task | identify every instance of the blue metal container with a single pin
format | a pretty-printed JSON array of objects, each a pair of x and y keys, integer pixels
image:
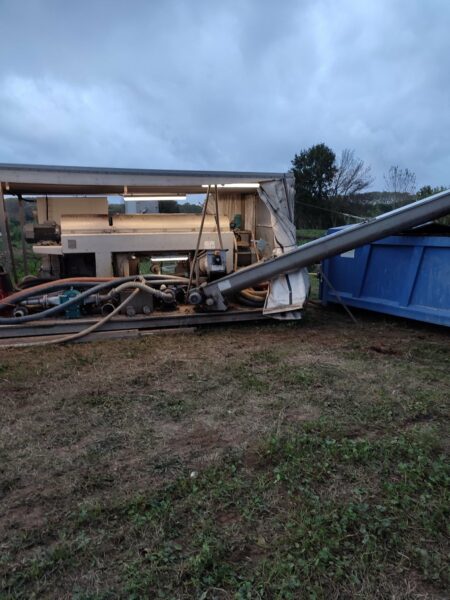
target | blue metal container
[{"x": 405, "y": 275}]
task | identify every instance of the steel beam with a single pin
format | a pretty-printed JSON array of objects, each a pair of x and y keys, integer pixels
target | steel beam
[
  {"x": 155, "y": 321},
  {"x": 352, "y": 237}
]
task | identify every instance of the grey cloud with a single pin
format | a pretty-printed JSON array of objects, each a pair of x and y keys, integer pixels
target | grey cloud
[{"x": 225, "y": 85}]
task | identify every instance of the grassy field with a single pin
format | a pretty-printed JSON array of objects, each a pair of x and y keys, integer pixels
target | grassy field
[{"x": 269, "y": 461}]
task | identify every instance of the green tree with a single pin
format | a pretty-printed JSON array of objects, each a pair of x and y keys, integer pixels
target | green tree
[
  {"x": 352, "y": 176},
  {"x": 400, "y": 185},
  {"x": 190, "y": 207},
  {"x": 427, "y": 190},
  {"x": 314, "y": 171},
  {"x": 168, "y": 206}
]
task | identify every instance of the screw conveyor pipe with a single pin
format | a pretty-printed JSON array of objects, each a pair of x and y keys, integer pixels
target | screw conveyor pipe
[{"x": 398, "y": 220}]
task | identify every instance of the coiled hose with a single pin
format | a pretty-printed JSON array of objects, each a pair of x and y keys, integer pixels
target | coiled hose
[{"x": 252, "y": 297}]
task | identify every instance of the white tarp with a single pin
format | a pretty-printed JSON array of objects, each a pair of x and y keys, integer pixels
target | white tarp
[{"x": 288, "y": 292}]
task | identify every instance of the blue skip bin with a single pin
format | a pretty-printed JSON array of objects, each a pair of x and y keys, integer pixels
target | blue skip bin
[{"x": 405, "y": 275}]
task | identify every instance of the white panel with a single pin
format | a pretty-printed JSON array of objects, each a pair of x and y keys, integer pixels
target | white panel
[
  {"x": 56, "y": 207},
  {"x": 146, "y": 242},
  {"x": 168, "y": 222}
]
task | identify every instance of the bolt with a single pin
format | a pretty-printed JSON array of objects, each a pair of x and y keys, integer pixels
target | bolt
[{"x": 131, "y": 311}]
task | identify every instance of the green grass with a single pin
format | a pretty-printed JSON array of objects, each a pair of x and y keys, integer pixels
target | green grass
[
  {"x": 317, "y": 514},
  {"x": 287, "y": 461},
  {"x": 287, "y": 530},
  {"x": 306, "y": 235}
]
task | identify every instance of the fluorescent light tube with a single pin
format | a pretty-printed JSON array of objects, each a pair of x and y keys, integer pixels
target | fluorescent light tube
[
  {"x": 233, "y": 185},
  {"x": 150, "y": 198},
  {"x": 169, "y": 258}
]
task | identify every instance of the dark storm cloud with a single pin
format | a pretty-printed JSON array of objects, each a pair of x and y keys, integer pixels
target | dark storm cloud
[{"x": 225, "y": 84}]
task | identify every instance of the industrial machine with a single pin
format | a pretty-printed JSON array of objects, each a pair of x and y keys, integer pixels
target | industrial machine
[
  {"x": 77, "y": 238},
  {"x": 102, "y": 266},
  {"x": 95, "y": 245},
  {"x": 237, "y": 260}
]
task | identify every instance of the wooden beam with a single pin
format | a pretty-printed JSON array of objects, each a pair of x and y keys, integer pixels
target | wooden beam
[
  {"x": 6, "y": 239},
  {"x": 22, "y": 236},
  {"x": 4, "y": 255}
]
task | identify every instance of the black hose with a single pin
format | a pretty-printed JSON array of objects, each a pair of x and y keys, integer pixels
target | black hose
[
  {"x": 61, "y": 307},
  {"x": 29, "y": 292},
  {"x": 31, "y": 280},
  {"x": 247, "y": 302},
  {"x": 52, "y": 288},
  {"x": 56, "y": 309}
]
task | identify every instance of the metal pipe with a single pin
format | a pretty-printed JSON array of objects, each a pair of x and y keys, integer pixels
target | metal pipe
[
  {"x": 194, "y": 261},
  {"x": 75, "y": 336},
  {"x": 219, "y": 233},
  {"x": 352, "y": 237},
  {"x": 84, "y": 282},
  {"x": 167, "y": 295}
]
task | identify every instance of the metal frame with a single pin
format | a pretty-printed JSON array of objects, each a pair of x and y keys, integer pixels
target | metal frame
[{"x": 155, "y": 321}]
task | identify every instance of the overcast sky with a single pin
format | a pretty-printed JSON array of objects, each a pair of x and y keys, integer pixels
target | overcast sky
[{"x": 226, "y": 84}]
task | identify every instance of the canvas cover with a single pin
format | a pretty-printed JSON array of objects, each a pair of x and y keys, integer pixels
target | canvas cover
[{"x": 287, "y": 292}]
